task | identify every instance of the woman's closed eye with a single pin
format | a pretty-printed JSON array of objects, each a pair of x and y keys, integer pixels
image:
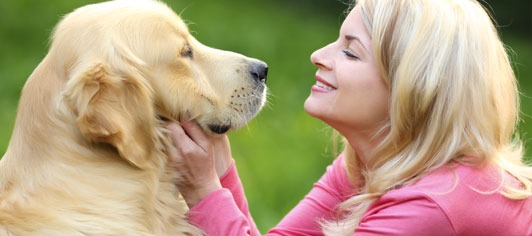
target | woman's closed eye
[{"x": 350, "y": 55}]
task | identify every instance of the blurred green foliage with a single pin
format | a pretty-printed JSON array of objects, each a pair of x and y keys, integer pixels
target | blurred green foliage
[{"x": 283, "y": 151}]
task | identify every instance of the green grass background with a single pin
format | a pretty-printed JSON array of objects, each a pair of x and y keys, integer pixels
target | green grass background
[{"x": 281, "y": 152}]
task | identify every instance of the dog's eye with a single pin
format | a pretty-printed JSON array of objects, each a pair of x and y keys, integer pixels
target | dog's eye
[{"x": 187, "y": 51}]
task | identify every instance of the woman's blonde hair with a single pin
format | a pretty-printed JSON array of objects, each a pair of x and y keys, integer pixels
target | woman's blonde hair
[{"x": 453, "y": 94}]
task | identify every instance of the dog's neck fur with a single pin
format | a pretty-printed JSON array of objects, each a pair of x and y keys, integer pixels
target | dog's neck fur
[{"x": 89, "y": 182}]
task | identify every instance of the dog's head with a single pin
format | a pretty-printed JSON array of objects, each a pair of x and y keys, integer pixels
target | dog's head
[{"x": 130, "y": 63}]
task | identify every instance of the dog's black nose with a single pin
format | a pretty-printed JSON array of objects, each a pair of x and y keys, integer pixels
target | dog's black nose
[{"x": 259, "y": 71}]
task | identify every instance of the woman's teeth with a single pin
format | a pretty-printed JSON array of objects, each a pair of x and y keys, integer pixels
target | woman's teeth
[{"x": 322, "y": 85}]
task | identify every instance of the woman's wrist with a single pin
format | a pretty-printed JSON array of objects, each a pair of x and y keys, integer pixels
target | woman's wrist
[
  {"x": 194, "y": 195},
  {"x": 222, "y": 166}
]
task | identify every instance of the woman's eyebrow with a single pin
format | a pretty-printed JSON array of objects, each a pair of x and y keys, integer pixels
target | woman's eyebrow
[{"x": 350, "y": 38}]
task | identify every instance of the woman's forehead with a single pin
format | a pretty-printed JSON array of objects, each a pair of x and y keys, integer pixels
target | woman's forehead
[{"x": 353, "y": 25}]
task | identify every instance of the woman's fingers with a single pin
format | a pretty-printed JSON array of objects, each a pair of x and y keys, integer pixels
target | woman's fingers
[
  {"x": 194, "y": 156},
  {"x": 189, "y": 141},
  {"x": 194, "y": 131},
  {"x": 180, "y": 139}
]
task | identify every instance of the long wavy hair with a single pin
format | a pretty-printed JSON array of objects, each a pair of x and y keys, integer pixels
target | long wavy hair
[{"x": 453, "y": 95}]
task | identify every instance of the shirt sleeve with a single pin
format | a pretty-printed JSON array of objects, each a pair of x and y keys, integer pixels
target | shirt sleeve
[
  {"x": 320, "y": 204},
  {"x": 225, "y": 212},
  {"x": 407, "y": 213}
]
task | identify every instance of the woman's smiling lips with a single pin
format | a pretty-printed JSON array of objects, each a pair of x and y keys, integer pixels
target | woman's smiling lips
[{"x": 322, "y": 86}]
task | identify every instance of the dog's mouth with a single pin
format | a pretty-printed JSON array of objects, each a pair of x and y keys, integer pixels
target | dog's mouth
[
  {"x": 219, "y": 129},
  {"x": 215, "y": 128}
]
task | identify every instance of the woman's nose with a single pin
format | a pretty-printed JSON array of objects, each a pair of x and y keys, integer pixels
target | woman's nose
[{"x": 319, "y": 58}]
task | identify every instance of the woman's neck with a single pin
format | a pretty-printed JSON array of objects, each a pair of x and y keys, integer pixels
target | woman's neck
[{"x": 364, "y": 142}]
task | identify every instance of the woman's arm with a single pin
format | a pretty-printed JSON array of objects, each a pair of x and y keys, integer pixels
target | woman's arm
[
  {"x": 192, "y": 154},
  {"x": 225, "y": 212},
  {"x": 200, "y": 160},
  {"x": 319, "y": 204},
  {"x": 219, "y": 206}
]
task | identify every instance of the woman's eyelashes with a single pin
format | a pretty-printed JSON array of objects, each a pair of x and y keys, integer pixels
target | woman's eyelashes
[{"x": 350, "y": 55}]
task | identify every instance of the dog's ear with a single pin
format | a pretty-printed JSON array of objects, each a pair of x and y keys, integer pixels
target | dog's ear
[{"x": 115, "y": 110}]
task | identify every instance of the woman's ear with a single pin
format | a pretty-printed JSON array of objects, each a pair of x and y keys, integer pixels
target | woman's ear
[{"x": 114, "y": 110}]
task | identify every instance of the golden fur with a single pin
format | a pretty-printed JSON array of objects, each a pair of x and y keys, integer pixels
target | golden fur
[{"x": 87, "y": 154}]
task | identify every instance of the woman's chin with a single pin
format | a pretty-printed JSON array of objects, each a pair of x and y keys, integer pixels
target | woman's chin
[{"x": 314, "y": 108}]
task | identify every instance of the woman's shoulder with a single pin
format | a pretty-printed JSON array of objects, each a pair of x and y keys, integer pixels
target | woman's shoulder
[{"x": 470, "y": 199}]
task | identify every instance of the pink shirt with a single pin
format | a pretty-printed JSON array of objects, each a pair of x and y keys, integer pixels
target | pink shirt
[{"x": 443, "y": 202}]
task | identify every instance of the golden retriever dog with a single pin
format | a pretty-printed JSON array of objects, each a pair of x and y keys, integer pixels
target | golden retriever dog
[{"x": 87, "y": 154}]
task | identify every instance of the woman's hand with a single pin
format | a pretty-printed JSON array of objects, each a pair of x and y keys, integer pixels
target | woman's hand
[{"x": 200, "y": 159}]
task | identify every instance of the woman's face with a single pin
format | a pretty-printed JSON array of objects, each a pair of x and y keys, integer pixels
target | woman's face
[{"x": 349, "y": 93}]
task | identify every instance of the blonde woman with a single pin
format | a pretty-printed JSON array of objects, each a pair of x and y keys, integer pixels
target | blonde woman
[{"x": 426, "y": 100}]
